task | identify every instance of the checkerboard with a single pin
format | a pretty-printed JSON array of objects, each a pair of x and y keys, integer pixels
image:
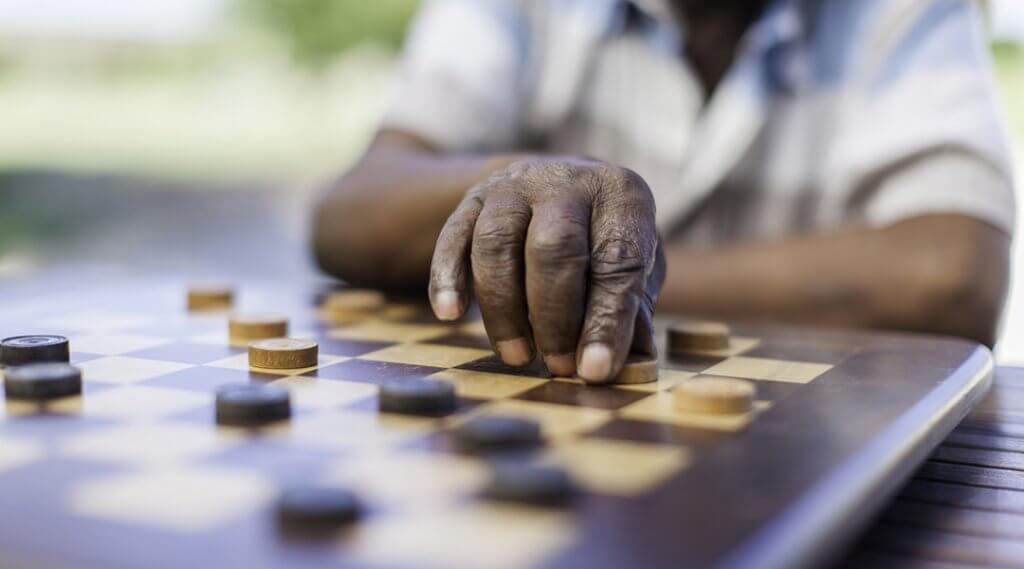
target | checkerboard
[{"x": 135, "y": 472}]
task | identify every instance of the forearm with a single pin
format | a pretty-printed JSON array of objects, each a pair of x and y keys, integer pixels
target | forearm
[
  {"x": 938, "y": 274},
  {"x": 378, "y": 224}
]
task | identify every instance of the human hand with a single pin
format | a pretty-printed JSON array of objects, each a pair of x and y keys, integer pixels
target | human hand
[{"x": 563, "y": 255}]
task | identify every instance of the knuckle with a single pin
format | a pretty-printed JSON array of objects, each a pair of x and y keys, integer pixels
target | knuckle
[
  {"x": 496, "y": 242},
  {"x": 565, "y": 242}
]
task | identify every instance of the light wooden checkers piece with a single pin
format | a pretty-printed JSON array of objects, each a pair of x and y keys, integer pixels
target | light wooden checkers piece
[
  {"x": 715, "y": 395},
  {"x": 244, "y": 328},
  {"x": 210, "y": 297},
  {"x": 638, "y": 369},
  {"x": 283, "y": 353},
  {"x": 697, "y": 336},
  {"x": 352, "y": 305}
]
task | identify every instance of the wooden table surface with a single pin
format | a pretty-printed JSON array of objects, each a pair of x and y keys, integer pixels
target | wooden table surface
[{"x": 965, "y": 506}]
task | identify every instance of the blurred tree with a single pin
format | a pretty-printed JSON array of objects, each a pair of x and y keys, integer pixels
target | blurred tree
[{"x": 316, "y": 31}]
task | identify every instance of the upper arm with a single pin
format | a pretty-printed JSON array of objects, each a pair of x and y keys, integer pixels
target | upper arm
[
  {"x": 462, "y": 75},
  {"x": 920, "y": 131}
]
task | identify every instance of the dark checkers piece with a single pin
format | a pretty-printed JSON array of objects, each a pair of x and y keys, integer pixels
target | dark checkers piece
[
  {"x": 42, "y": 381},
  {"x": 498, "y": 433},
  {"x": 22, "y": 350},
  {"x": 697, "y": 336},
  {"x": 530, "y": 484},
  {"x": 409, "y": 396},
  {"x": 317, "y": 508},
  {"x": 252, "y": 405}
]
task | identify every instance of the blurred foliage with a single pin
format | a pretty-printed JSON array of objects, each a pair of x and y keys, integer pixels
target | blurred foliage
[{"x": 316, "y": 31}]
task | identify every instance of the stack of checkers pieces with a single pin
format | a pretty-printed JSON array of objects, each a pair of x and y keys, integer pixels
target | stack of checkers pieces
[{"x": 36, "y": 368}]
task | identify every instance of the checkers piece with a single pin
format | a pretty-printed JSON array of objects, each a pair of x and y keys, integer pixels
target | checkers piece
[
  {"x": 283, "y": 353},
  {"x": 352, "y": 305},
  {"x": 715, "y": 395},
  {"x": 530, "y": 484},
  {"x": 23, "y": 350},
  {"x": 638, "y": 369},
  {"x": 210, "y": 297},
  {"x": 244, "y": 328},
  {"x": 498, "y": 433},
  {"x": 317, "y": 508},
  {"x": 252, "y": 405},
  {"x": 43, "y": 381},
  {"x": 409, "y": 396},
  {"x": 697, "y": 336}
]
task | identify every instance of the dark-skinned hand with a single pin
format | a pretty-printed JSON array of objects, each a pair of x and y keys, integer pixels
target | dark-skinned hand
[{"x": 564, "y": 259}]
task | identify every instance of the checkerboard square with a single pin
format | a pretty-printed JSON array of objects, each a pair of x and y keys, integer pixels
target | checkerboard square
[
  {"x": 325, "y": 394},
  {"x": 148, "y": 444},
  {"x": 770, "y": 369},
  {"x": 465, "y": 536},
  {"x": 368, "y": 371},
  {"x": 482, "y": 385},
  {"x": 187, "y": 500},
  {"x": 566, "y": 393},
  {"x": 115, "y": 344},
  {"x": 384, "y": 331},
  {"x": 123, "y": 370},
  {"x": 185, "y": 352},
  {"x": 427, "y": 355},
  {"x": 136, "y": 402},
  {"x": 598, "y": 464}
]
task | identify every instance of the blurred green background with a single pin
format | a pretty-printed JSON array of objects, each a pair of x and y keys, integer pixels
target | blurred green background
[{"x": 248, "y": 90}]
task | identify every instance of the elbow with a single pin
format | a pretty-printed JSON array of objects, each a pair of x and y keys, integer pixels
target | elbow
[{"x": 967, "y": 290}]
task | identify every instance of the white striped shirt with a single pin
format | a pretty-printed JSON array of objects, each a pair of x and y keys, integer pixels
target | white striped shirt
[{"x": 834, "y": 112}]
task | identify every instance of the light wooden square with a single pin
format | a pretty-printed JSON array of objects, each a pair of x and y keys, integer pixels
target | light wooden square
[
  {"x": 769, "y": 369},
  {"x": 241, "y": 362},
  {"x": 409, "y": 479},
  {"x": 148, "y": 444},
  {"x": 385, "y": 331},
  {"x": 618, "y": 467},
  {"x": 555, "y": 420},
  {"x": 114, "y": 344},
  {"x": 98, "y": 321},
  {"x": 324, "y": 394},
  {"x": 136, "y": 402},
  {"x": 434, "y": 355},
  {"x": 660, "y": 408},
  {"x": 474, "y": 328},
  {"x": 15, "y": 453},
  {"x": 467, "y": 536},
  {"x": 355, "y": 430},
  {"x": 484, "y": 385},
  {"x": 184, "y": 500},
  {"x": 124, "y": 370}
]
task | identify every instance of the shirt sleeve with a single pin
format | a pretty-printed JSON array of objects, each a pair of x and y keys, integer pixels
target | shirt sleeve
[
  {"x": 922, "y": 132},
  {"x": 461, "y": 79}
]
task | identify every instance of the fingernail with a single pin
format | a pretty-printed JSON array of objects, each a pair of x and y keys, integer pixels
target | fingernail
[
  {"x": 515, "y": 352},
  {"x": 596, "y": 363},
  {"x": 446, "y": 305},
  {"x": 562, "y": 366}
]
